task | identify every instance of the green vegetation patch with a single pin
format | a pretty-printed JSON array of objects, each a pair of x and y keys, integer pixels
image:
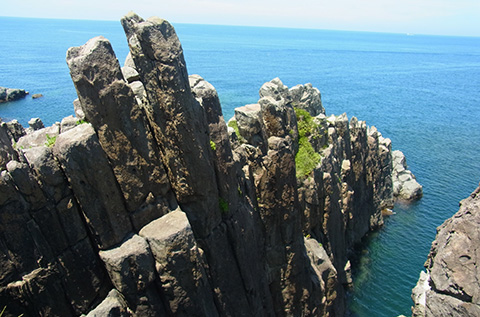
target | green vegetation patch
[
  {"x": 50, "y": 140},
  {"x": 213, "y": 146},
  {"x": 79, "y": 122},
  {"x": 223, "y": 204},
  {"x": 306, "y": 159},
  {"x": 233, "y": 124}
]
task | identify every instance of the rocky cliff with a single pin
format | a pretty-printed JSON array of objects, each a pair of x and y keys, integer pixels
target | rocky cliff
[
  {"x": 148, "y": 204},
  {"x": 450, "y": 286}
]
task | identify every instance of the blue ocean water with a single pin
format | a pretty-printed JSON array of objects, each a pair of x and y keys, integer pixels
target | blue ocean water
[{"x": 423, "y": 92}]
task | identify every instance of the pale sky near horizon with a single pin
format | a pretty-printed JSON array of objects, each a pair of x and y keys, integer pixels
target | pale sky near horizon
[{"x": 440, "y": 17}]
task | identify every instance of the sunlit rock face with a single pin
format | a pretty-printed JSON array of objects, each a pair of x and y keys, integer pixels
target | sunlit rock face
[
  {"x": 450, "y": 286},
  {"x": 147, "y": 204}
]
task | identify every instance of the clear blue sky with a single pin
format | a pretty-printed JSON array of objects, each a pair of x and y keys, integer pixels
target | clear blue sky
[{"x": 443, "y": 17}]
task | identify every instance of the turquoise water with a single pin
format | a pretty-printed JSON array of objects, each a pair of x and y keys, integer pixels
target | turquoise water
[{"x": 423, "y": 92}]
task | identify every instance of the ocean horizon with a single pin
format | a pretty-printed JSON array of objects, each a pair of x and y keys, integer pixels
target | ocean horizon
[{"x": 421, "y": 91}]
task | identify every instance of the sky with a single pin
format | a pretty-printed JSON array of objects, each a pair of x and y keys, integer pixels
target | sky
[{"x": 439, "y": 17}]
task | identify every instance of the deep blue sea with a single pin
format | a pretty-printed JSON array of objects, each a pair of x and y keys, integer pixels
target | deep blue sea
[{"x": 423, "y": 92}]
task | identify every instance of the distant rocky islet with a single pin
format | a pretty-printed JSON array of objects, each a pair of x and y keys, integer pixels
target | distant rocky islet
[
  {"x": 246, "y": 231},
  {"x": 9, "y": 94},
  {"x": 13, "y": 94}
]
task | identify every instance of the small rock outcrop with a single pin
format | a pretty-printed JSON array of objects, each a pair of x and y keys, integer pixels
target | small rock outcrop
[
  {"x": 9, "y": 94},
  {"x": 450, "y": 286},
  {"x": 147, "y": 204},
  {"x": 405, "y": 185}
]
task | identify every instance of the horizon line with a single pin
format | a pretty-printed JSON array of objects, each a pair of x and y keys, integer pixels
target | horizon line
[{"x": 252, "y": 26}]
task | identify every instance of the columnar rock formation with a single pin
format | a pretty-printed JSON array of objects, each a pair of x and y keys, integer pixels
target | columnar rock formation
[
  {"x": 450, "y": 286},
  {"x": 405, "y": 185},
  {"x": 146, "y": 204}
]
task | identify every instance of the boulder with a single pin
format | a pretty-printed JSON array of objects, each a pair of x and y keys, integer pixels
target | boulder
[
  {"x": 68, "y": 123},
  {"x": 36, "y": 124},
  {"x": 14, "y": 129},
  {"x": 130, "y": 266},
  {"x": 308, "y": 98},
  {"x": 130, "y": 74},
  {"x": 405, "y": 186},
  {"x": 274, "y": 89},
  {"x": 180, "y": 265},
  {"x": 250, "y": 125},
  {"x": 113, "y": 305},
  {"x": 36, "y": 96}
]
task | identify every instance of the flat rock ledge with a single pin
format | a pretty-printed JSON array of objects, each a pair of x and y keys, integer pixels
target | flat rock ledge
[{"x": 451, "y": 284}]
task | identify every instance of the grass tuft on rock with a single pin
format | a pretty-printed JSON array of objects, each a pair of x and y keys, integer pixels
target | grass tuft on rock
[
  {"x": 306, "y": 159},
  {"x": 50, "y": 140},
  {"x": 213, "y": 146},
  {"x": 233, "y": 124}
]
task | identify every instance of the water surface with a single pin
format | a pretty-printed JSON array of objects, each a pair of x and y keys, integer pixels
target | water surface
[{"x": 423, "y": 92}]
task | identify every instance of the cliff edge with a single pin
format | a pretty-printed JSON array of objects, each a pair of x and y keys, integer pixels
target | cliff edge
[
  {"x": 148, "y": 204},
  {"x": 450, "y": 286}
]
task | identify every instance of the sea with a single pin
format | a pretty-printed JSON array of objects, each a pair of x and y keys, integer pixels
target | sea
[{"x": 422, "y": 92}]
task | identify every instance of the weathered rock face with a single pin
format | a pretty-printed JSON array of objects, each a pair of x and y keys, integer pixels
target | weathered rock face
[
  {"x": 451, "y": 285},
  {"x": 177, "y": 119},
  {"x": 110, "y": 106},
  {"x": 143, "y": 206}
]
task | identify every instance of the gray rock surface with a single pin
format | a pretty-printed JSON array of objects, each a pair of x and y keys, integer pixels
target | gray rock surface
[
  {"x": 110, "y": 106},
  {"x": 130, "y": 74},
  {"x": 97, "y": 193},
  {"x": 176, "y": 118},
  {"x": 9, "y": 94},
  {"x": 14, "y": 129},
  {"x": 113, "y": 305},
  {"x": 36, "y": 124},
  {"x": 180, "y": 265},
  {"x": 155, "y": 208},
  {"x": 130, "y": 266},
  {"x": 405, "y": 185},
  {"x": 38, "y": 137},
  {"x": 452, "y": 275}
]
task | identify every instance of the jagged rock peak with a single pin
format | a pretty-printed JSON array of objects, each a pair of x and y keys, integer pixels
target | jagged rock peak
[
  {"x": 450, "y": 286},
  {"x": 142, "y": 206},
  {"x": 301, "y": 96}
]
